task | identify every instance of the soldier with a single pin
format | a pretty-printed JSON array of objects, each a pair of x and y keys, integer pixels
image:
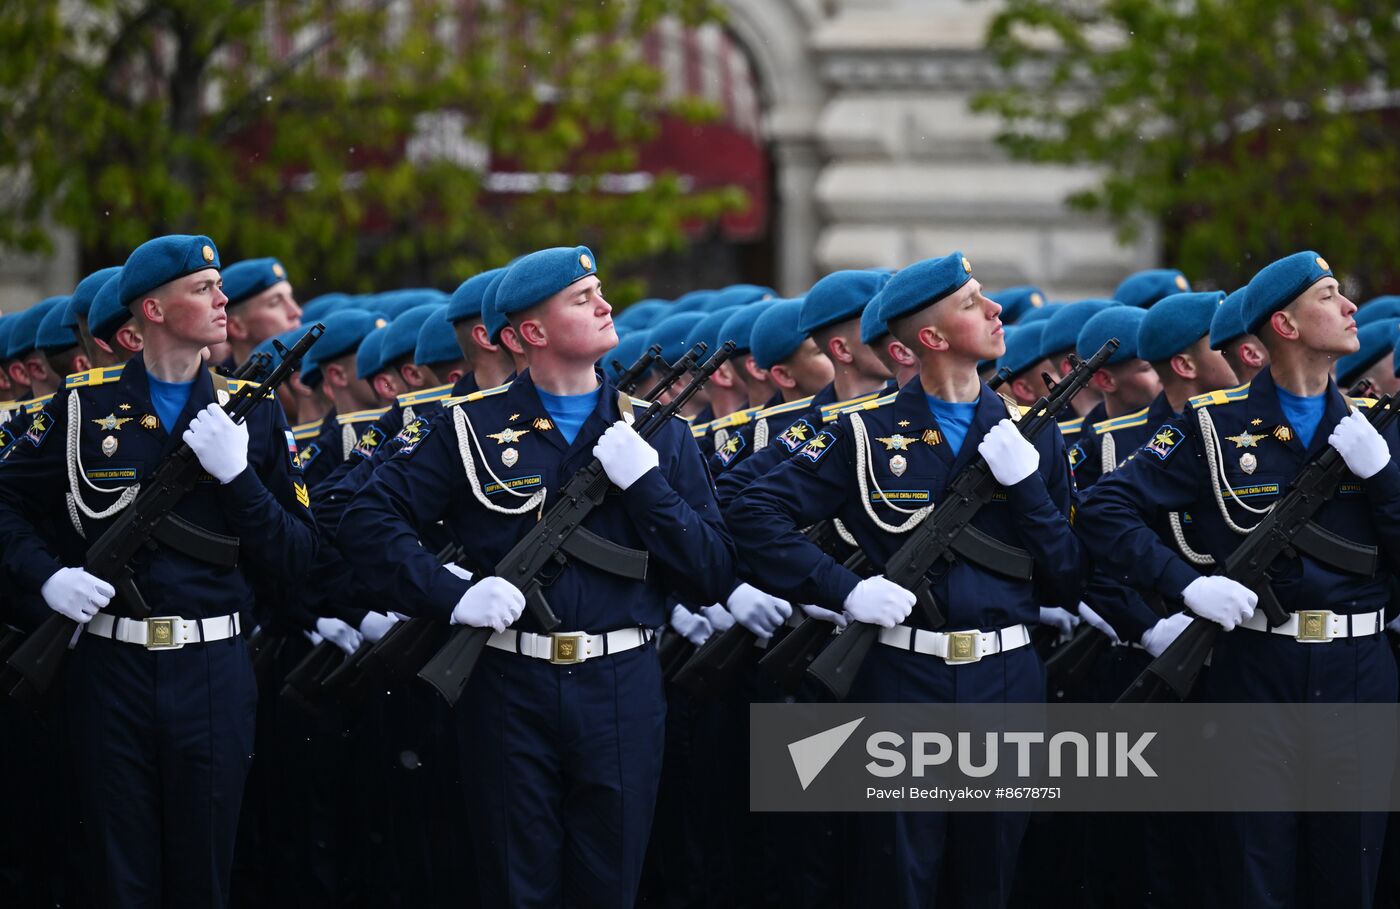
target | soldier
[
  {"x": 1240, "y": 349},
  {"x": 330, "y": 369},
  {"x": 589, "y": 715},
  {"x": 1127, "y": 382},
  {"x": 483, "y": 356},
  {"x": 1058, "y": 341},
  {"x": 261, "y": 304},
  {"x": 1016, "y": 302},
  {"x": 76, "y": 316},
  {"x": 925, "y": 433},
  {"x": 1027, "y": 364},
  {"x": 1224, "y": 461},
  {"x": 161, "y": 715},
  {"x": 30, "y": 368}
]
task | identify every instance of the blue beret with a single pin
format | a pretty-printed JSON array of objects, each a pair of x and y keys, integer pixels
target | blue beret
[
  {"x": 1022, "y": 348},
  {"x": 839, "y": 296},
  {"x": 641, "y": 314},
  {"x": 466, "y": 299},
  {"x": 1379, "y": 308},
  {"x": 1121, "y": 322},
  {"x": 26, "y": 328},
  {"x": 164, "y": 259},
  {"x": 708, "y": 330},
  {"x": 739, "y": 327},
  {"x": 85, "y": 292},
  {"x": 671, "y": 333},
  {"x": 743, "y": 294},
  {"x": 437, "y": 342},
  {"x": 7, "y": 324},
  {"x": 245, "y": 280},
  {"x": 922, "y": 284},
  {"x": 1062, "y": 328},
  {"x": 317, "y": 308},
  {"x": 1377, "y": 341},
  {"x": 1015, "y": 302},
  {"x": 775, "y": 334},
  {"x": 52, "y": 336},
  {"x": 1279, "y": 283},
  {"x": 872, "y": 327},
  {"x": 395, "y": 303},
  {"x": 1145, "y": 288},
  {"x": 402, "y": 337},
  {"x": 1039, "y": 315},
  {"x": 369, "y": 359},
  {"x": 107, "y": 313},
  {"x": 345, "y": 330},
  {"x": 1177, "y": 322},
  {"x": 491, "y": 315},
  {"x": 1228, "y": 322},
  {"x": 695, "y": 301},
  {"x": 540, "y": 275}
]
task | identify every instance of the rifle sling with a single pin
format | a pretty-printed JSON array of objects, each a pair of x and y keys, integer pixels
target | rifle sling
[{"x": 194, "y": 541}]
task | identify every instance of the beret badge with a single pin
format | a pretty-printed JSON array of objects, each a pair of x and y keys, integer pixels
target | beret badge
[
  {"x": 1181, "y": 282},
  {"x": 208, "y": 253},
  {"x": 585, "y": 261},
  {"x": 967, "y": 266},
  {"x": 278, "y": 271},
  {"x": 1322, "y": 264}
]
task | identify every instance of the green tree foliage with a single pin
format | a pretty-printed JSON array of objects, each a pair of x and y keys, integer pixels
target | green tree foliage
[
  {"x": 1246, "y": 128},
  {"x": 347, "y": 137}
]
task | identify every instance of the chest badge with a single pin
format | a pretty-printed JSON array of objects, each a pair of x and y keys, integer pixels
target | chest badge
[
  {"x": 896, "y": 442},
  {"x": 123, "y": 407},
  {"x": 1283, "y": 433},
  {"x": 507, "y": 436},
  {"x": 932, "y": 437},
  {"x": 1245, "y": 440},
  {"x": 109, "y": 446},
  {"x": 1248, "y": 462},
  {"x": 149, "y": 421},
  {"x": 898, "y": 464},
  {"x": 509, "y": 457},
  {"x": 112, "y": 422},
  {"x": 543, "y": 424}
]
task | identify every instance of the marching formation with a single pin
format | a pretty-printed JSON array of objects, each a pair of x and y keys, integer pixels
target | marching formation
[{"x": 416, "y": 599}]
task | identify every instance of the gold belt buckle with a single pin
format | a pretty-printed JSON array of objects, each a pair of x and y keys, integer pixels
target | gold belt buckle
[
  {"x": 160, "y": 633},
  {"x": 566, "y": 649},
  {"x": 1313, "y": 626},
  {"x": 962, "y": 647}
]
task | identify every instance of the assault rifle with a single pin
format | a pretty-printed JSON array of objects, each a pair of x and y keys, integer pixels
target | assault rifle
[
  {"x": 947, "y": 534},
  {"x": 536, "y": 561},
  {"x": 632, "y": 376},
  {"x": 149, "y": 517},
  {"x": 1287, "y": 530}
]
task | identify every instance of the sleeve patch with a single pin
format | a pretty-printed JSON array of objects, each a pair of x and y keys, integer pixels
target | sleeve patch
[
  {"x": 368, "y": 441},
  {"x": 412, "y": 435},
  {"x": 39, "y": 428},
  {"x": 291, "y": 448},
  {"x": 727, "y": 452},
  {"x": 816, "y": 449},
  {"x": 796, "y": 435},
  {"x": 1076, "y": 454},
  {"x": 1164, "y": 441},
  {"x": 302, "y": 495},
  {"x": 307, "y": 455}
]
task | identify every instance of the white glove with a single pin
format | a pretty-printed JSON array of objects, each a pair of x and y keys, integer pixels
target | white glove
[
  {"x": 76, "y": 594},
  {"x": 220, "y": 444},
  {"x": 375, "y": 624},
  {"x": 1060, "y": 619},
  {"x": 1160, "y": 636},
  {"x": 491, "y": 602},
  {"x": 1008, "y": 454},
  {"x": 757, "y": 611},
  {"x": 1220, "y": 599},
  {"x": 718, "y": 617},
  {"x": 313, "y": 637},
  {"x": 825, "y": 615},
  {"x": 458, "y": 570},
  {"x": 689, "y": 625},
  {"x": 339, "y": 633},
  {"x": 1360, "y": 445},
  {"x": 625, "y": 455},
  {"x": 1096, "y": 622},
  {"x": 878, "y": 601}
]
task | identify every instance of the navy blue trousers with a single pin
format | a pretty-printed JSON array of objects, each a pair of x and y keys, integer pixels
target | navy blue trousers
[
  {"x": 928, "y": 858},
  {"x": 162, "y": 743},
  {"x": 1314, "y": 859},
  {"x": 561, "y": 766}
]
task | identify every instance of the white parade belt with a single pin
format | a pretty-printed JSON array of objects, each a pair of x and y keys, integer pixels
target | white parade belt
[
  {"x": 163, "y": 632},
  {"x": 956, "y": 647},
  {"x": 566, "y": 648},
  {"x": 1319, "y": 626}
]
